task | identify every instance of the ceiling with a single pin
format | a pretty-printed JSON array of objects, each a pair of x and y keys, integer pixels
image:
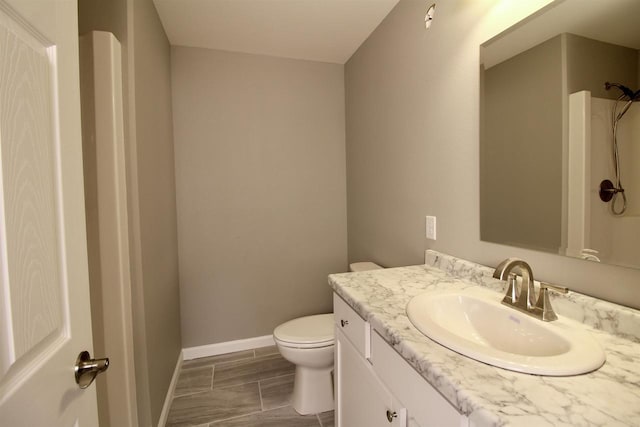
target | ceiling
[
  {"x": 316, "y": 30},
  {"x": 612, "y": 22}
]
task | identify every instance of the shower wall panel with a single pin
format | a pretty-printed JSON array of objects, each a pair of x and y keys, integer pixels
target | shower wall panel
[{"x": 614, "y": 237}]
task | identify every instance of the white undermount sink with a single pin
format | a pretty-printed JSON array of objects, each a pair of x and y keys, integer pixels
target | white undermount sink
[{"x": 475, "y": 324}]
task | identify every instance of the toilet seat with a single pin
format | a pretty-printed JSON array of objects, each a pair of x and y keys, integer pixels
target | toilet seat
[{"x": 306, "y": 332}]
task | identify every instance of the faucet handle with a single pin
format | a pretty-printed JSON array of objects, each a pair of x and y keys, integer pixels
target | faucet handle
[
  {"x": 555, "y": 288},
  {"x": 543, "y": 305}
]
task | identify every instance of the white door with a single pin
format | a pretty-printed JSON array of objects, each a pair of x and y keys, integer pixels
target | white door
[{"x": 44, "y": 290}]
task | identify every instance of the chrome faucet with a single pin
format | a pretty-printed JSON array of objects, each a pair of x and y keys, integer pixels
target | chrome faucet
[{"x": 525, "y": 299}]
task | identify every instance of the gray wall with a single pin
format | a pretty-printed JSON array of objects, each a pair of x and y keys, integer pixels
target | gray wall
[
  {"x": 412, "y": 108},
  {"x": 590, "y": 63},
  {"x": 156, "y": 196},
  {"x": 99, "y": 15},
  {"x": 260, "y": 172},
  {"x": 151, "y": 192},
  {"x": 523, "y": 130}
]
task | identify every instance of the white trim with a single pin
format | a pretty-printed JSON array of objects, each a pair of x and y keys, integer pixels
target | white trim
[
  {"x": 101, "y": 90},
  {"x": 170, "y": 392},
  {"x": 227, "y": 347}
]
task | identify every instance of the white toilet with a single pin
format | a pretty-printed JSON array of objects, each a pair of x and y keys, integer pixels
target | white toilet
[{"x": 308, "y": 342}]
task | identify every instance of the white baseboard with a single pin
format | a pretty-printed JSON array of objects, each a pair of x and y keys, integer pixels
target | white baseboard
[
  {"x": 170, "y": 392},
  {"x": 226, "y": 347}
]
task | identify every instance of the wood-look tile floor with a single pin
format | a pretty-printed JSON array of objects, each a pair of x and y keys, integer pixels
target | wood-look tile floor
[{"x": 241, "y": 389}]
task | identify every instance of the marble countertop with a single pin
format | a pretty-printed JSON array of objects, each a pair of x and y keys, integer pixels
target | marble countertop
[{"x": 492, "y": 396}]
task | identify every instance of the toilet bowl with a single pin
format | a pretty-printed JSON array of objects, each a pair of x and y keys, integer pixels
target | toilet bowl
[{"x": 308, "y": 342}]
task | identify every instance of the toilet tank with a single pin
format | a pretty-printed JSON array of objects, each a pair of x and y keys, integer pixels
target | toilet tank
[{"x": 364, "y": 266}]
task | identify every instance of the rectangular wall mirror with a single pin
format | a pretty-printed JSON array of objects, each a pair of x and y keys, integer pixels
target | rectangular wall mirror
[{"x": 546, "y": 132}]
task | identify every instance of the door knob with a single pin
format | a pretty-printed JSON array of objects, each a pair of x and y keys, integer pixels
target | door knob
[
  {"x": 87, "y": 369},
  {"x": 391, "y": 415}
]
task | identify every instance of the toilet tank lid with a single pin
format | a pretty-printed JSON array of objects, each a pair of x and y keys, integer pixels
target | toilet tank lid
[
  {"x": 364, "y": 266},
  {"x": 307, "y": 330}
]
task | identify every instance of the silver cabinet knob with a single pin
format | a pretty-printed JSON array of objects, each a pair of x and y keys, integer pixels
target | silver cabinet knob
[
  {"x": 391, "y": 415},
  {"x": 344, "y": 323},
  {"x": 87, "y": 369}
]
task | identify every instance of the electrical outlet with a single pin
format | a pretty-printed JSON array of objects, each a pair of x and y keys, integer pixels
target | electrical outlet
[{"x": 431, "y": 227}]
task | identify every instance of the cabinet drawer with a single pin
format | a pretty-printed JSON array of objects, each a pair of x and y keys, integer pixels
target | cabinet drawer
[
  {"x": 352, "y": 326},
  {"x": 425, "y": 406}
]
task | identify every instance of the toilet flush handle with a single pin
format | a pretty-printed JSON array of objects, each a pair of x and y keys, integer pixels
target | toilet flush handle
[{"x": 344, "y": 322}]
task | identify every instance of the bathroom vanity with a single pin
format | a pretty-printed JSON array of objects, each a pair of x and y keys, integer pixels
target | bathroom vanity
[
  {"x": 389, "y": 373},
  {"x": 376, "y": 386}
]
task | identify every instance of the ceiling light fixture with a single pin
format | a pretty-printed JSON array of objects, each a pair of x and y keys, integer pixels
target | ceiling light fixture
[{"x": 429, "y": 16}]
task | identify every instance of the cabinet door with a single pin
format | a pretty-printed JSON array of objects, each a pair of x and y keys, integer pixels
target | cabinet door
[
  {"x": 425, "y": 406},
  {"x": 361, "y": 399}
]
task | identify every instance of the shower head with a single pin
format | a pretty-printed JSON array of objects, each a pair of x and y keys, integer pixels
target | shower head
[{"x": 625, "y": 90}]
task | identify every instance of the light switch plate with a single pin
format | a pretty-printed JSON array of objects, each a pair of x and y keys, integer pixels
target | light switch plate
[{"x": 431, "y": 227}]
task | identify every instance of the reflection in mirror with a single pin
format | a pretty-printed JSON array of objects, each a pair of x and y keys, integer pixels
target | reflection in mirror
[{"x": 547, "y": 132}]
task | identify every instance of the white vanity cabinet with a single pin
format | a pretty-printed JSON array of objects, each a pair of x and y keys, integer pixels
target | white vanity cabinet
[
  {"x": 375, "y": 386},
  {"x": 361, "y": 398}
]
